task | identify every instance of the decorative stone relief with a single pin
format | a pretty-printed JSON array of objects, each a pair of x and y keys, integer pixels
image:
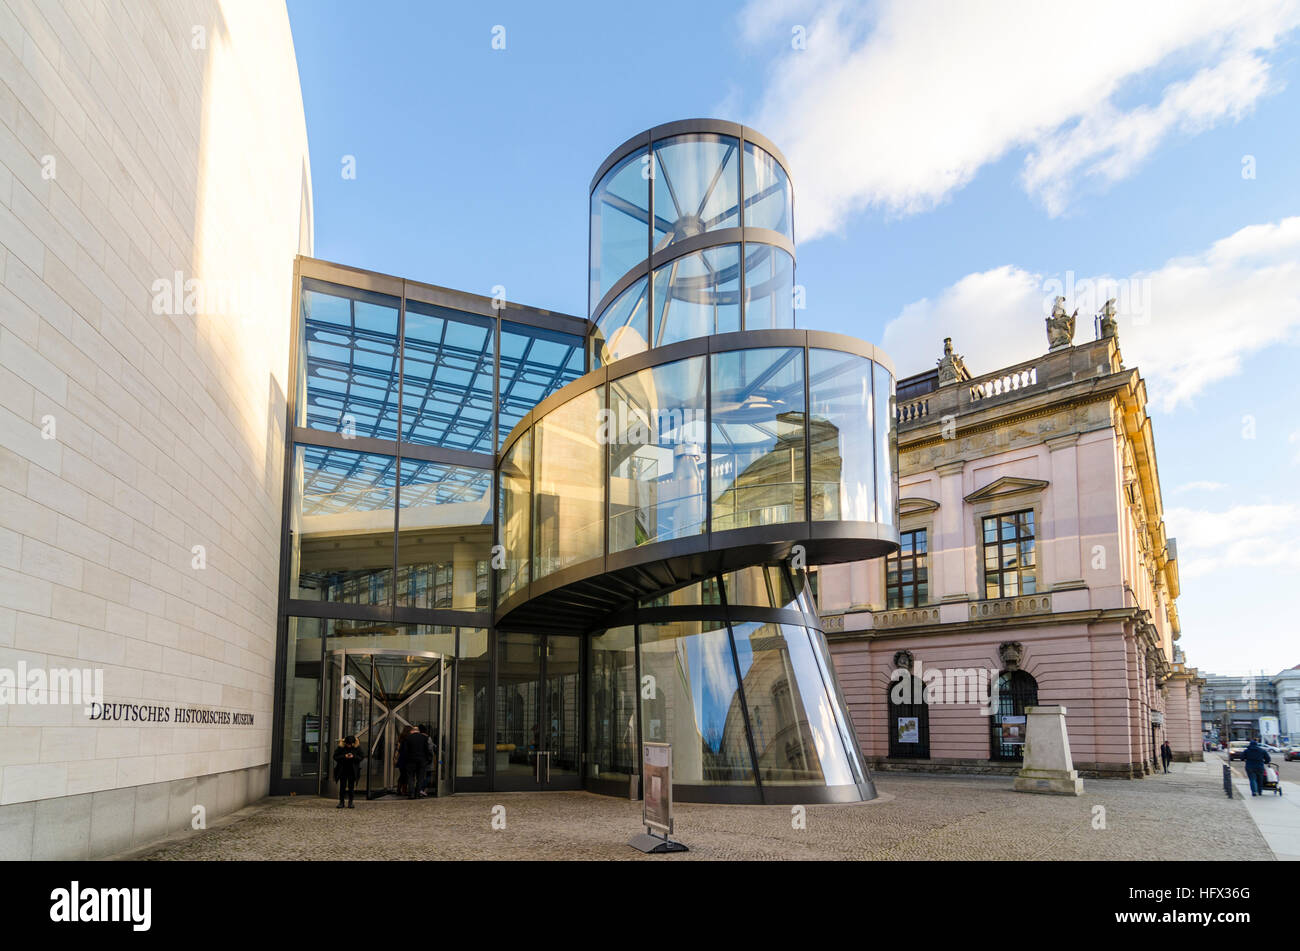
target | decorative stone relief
[{"x": 1010, "y": 652}]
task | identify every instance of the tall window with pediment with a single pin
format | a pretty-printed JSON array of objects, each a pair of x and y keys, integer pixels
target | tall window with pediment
[{"x": 1010, "y": 555}]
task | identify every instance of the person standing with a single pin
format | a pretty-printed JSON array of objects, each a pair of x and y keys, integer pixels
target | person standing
[
  {"x": 1166, "y": 755},
  {"x": 1255, "y": 757},
  {"x": 431, "y": 773},
  {"x": 399, "y": 760},
  {"x": 347, "y": 768},
  {"x": 415, "y": 753}
]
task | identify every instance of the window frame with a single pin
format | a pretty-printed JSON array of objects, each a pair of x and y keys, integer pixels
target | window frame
[
  {"x": 1017, "y": 539},
  {"x": 897, "y": 559}
]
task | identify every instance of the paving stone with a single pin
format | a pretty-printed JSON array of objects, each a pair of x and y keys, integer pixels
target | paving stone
[{"x": 1180, "y": 816}]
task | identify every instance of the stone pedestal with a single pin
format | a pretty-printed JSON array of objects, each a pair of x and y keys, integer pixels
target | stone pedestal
[{"x": 1048, "y": 767}]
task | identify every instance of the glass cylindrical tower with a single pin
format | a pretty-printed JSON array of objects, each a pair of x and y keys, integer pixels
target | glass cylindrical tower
[
  {"x": 668, "y": 504},
  {"x": 692, "y": 234}
]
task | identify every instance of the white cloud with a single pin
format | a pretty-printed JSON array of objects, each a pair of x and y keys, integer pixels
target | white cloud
[
  {"x": 898, "y": 103},
  {"x": 1107, "y": 145},
  {"x": 1243, "y": 536},
  {"x": 1201, "y": 486},
  {"x": 1186, "y": 325}
]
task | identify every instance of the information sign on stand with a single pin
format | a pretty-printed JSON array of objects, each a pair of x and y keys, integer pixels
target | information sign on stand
[{"x": 657, "y": 801}]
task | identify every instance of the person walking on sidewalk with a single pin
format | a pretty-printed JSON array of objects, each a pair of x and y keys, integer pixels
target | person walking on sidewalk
[
  {"x": 347, "y": 768},
  {"x": 1255, "y": 757},
  {"x": 1166, "y": 754}
]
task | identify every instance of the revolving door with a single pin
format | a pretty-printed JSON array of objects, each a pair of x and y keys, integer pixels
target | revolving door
[{"x": 375, "y": 695}]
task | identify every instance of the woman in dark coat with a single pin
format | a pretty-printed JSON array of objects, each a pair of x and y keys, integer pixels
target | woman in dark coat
[
  {"x": 1166, "y": 754},
  {"x": 347, "y": 768},
  {"x": 399, "y": 760}
]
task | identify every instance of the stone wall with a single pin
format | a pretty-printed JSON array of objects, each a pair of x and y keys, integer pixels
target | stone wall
[{"x": 154, "y": 189}]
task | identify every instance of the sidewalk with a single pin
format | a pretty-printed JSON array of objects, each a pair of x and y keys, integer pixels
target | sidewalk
[
  {"x": 1276, "y": 817},
  {"x": 1180, "y": 816}
]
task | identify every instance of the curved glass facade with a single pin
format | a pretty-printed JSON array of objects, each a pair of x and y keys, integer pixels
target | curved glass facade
[
  {"x": 595, "y": 521},
  {"x": 769, "y": 202},
  {"x": 656, "y": 442},
  {"x": 696, "y": 186},
  {"x": 750, "y": 706},
  {"x": 715, "y": 442},
  {"x": 651, "y": 211},
  {"x": 623, "y": 330}
]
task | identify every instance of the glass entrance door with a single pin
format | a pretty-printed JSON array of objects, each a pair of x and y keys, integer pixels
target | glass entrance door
[
  {"x": 538, "y": 712},
  {"x": 378, "y": 696}
]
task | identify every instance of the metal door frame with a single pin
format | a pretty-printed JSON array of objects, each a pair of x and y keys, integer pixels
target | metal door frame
[
  {"x": 337, "y": 661},
  {"x": 517, "y": 784}
]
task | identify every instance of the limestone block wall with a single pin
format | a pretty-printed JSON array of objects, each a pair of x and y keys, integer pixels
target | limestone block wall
[{"x": 154, "y": 189}]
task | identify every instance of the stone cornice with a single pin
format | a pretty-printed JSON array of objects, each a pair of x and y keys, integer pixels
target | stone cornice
[
  {"x": 1007, "y": 485},
  {"x": 1003, "y": 622}
]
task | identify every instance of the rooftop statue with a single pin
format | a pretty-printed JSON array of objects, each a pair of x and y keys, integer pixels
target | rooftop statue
[
  {"x": 1060, "y": 328},
  {"x": 1109, "y": 325},
  {"x": 951, "y": 367}
]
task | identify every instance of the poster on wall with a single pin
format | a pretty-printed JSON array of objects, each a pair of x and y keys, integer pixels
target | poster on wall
[
  {"x": 1013, "y": 731},
  {"x": 909, "y": 729}
]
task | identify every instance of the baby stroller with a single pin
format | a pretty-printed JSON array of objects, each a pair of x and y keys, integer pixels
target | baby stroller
[{"x": 1271, "y": 779}]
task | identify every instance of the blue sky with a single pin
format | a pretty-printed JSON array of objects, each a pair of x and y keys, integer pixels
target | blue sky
[{"x": 948, "y": 162}]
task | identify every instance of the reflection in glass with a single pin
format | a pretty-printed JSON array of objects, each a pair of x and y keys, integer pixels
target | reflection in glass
[
  {"x": 843, "y": 474},
  {"x": 447, "y": 359},
  {"x": 534, "y": 364},
  {"x": 767, "y": 192},
  {"x": 515, "y": 488},
  {"x": 757, "y": 463},
  {"x": 348, "y": 361},
  {"x": 611, "y": 711},
  {"x": 620, "y": 219},
  {"x": 473, "y": 677},
  {"x": 438, "y": 638},
  {"x": 886, "y": 446},
  {"x": 656, "y": 435},
  {"x": 568, "y": 498},
  {"x": 693, "y": 703},
  {"x": 696, "y": 186},
  {"x": 796, "y": 736},
  {"x": 341, "y": 529},
  {"x": 519, "y": 673},
  {"x": 697, "y": 295},
  {"x": 623, "y": 329},
  {"x": 839, "y": 706},
  {"x": 445, "y": 536},
  {"x": 769, "y": 288},
  {"x": 563, "y": 703},
  {"x": 701, "y": 592},
  {"x": 303, "y": 732},
  {"x": 759, "y": 586}
]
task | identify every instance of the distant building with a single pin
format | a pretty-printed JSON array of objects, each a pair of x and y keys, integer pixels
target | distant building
[
  {"x": 1286, "y": 685},
  {"x": 1232, "y": 707},
  {"x": 1033, "y": 557}
]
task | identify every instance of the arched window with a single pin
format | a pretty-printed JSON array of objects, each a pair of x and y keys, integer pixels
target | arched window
[
  {"x": 908, "y": 722},
  {"x": 1015, "y": 691}
]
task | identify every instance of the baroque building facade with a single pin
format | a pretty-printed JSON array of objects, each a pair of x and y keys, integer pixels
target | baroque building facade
[{"x": 1034, "y": 567}]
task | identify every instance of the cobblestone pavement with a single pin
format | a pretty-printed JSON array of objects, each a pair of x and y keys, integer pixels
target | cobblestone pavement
[{"x": 1180, "y": 816}]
